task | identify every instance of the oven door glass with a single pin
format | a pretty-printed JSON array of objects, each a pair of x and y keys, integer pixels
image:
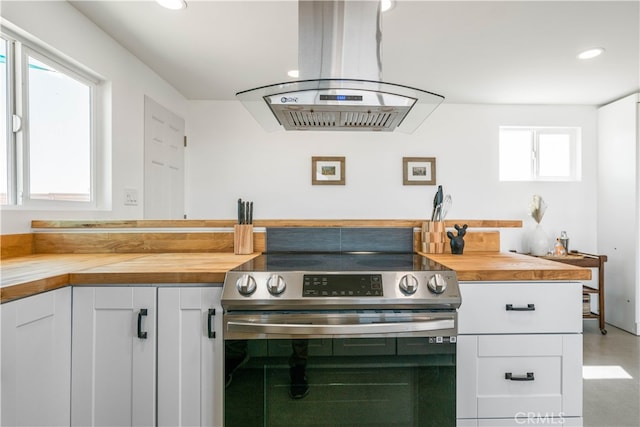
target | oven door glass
[{"x": 340, "y": 382}]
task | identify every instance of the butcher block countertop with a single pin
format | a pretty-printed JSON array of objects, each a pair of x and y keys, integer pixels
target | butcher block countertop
[
  {"x": 29, "y": 275},
  {"x": 508, "y": 266}
]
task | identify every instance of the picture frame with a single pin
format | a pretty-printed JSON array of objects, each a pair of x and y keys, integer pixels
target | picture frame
[
  {"x": 327, "y": 170},
  {"x": 419, "y": 171}
]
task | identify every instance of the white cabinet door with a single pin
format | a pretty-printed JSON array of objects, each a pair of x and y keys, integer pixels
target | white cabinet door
[
  {"x": 190, "y": 357},
  {"x": 36, "y": 360},
  {"x": 114, "y": 356}
]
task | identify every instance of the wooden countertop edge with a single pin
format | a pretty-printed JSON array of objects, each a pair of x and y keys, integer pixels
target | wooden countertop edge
[
  {"x": 524, "y": 275},
  {"x": 26, "y": 289},
  {"x": 549, "y": 271},
  {"x": 217, "y": 223},
  {"x": 81, "y": 278}
]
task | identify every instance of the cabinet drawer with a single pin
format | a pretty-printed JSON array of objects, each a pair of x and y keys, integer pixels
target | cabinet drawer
[
  {"x": 503, "y": 376},
  {"x": 520, "y": 307}
]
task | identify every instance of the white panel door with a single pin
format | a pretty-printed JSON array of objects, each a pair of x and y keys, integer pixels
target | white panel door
[
  {"x": 114, "y": 356},
  {"x": 36, "y": 360},
  {"x": 190, "y": 360},
  {"x": 163, "y": 162}
]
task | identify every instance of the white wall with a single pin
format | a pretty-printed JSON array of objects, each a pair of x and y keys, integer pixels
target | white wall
[
  {"x": 64, "y": 29},
  {"x": 230, "y": 156}
]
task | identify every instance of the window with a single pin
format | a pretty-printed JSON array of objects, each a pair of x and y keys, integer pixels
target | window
[
  {"x": 48, "y": 110},
  {"x": 539, "y": 154}
]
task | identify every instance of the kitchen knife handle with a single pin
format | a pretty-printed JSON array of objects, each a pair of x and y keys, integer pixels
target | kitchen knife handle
[
  {"x": 210, "y": 331},
  {"x": 529, "y": 307},
  {"x": 509, "y": 376},
  {"x": 142, "y": 335}
]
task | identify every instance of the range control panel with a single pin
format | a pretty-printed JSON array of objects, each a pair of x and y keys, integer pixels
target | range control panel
[{"x": 342, "y": 285}]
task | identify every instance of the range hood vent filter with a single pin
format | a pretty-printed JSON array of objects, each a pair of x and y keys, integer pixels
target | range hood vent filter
[{"x": 311, "y": 118}]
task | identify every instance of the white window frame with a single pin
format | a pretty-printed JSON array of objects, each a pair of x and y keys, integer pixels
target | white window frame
[
  {"x": 575, "y": 155},
  {"x": 19, "y": 48}
]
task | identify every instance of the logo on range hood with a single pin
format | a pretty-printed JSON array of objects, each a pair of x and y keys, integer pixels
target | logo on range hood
[{"x": 330, "y": 34}]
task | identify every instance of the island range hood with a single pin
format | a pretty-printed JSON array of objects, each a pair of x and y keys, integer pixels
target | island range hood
[{"x": 340, "y": 87}]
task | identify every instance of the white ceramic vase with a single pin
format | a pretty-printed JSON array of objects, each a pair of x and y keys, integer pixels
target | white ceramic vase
[{"x": 539, "y": 242}]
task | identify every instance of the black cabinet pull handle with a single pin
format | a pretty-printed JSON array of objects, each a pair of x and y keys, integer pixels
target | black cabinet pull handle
[
  {"x": 529, "y": 307},
  {"x": 212, "y": 333},
  {"x": 142, "y": 335},
  {"x": 511, "y": 377}
]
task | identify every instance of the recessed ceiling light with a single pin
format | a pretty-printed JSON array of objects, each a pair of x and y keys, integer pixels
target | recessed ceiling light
[
  {"x": 173, "y": 4},
  {"x": 293, "y": 73},
  {"x": 591, "y": 53},
  {"x": 387, "y": 5}
]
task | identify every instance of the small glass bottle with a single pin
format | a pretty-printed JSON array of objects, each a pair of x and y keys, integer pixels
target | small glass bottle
[
  {"x": 558, "y": 248},
  {"x": 564, "y": 239}
]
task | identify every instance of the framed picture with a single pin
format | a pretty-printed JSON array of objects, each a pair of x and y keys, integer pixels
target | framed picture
[
  {"x": 418, "y": 170},
  {"x": 327, "y": 170}
]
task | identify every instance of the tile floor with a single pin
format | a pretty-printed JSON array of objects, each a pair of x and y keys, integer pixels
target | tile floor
[{"x": 611, "y": 402}]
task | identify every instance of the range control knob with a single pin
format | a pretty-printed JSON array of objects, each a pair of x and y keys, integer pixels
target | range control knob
[
  {"x": 437, "y": 283},
  {"x": 276, "y": 284},
  {"x": 246, "y": 285},
  {"x": 408, "y": 284}
]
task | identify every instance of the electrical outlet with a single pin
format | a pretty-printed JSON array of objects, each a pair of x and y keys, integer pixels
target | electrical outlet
[{"x": 130, "y": 197}]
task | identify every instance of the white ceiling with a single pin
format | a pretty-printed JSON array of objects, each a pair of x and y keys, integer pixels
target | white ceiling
[{"x": 512, "y": 52}]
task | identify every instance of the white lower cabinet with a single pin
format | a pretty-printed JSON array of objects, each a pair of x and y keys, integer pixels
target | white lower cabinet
[
  {"x": 114, "y": 356},
  {"x": 117, "y": 345},
  {"x": 36, "y": 360},
  {"x": 510, "y": 373},
  {"x": 190, "y": 357}
]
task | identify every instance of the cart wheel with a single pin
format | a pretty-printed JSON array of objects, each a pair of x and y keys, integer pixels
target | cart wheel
[{"x": 603, "y": 331}]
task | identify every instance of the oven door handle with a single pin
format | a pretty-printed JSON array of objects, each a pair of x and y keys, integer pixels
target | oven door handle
[{"x": 346, "y": 329}]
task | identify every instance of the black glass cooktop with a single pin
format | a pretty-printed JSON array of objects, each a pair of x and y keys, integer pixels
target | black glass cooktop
[{"x": 328, "y": 262}]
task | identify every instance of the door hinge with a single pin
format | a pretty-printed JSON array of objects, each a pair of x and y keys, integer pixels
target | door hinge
[{"x": 185, "y": 140}]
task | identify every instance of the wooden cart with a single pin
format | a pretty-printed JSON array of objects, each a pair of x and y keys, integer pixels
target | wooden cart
[{"x": 581, "y": 259}]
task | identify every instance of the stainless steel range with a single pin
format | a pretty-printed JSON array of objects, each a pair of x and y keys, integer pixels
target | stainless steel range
[{"x": 340, "y": 339}]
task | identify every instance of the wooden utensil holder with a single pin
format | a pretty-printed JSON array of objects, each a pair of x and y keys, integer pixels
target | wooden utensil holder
[
  {"x": 433, "y": 237},
  {"x": 243, "y": 239}
]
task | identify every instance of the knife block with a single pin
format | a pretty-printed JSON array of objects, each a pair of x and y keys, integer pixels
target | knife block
[
  {"x": 243, "y": 239},
  {"x": 433, "y": 237}
]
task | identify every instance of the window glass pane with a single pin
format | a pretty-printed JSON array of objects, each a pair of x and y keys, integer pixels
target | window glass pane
[
  {"x": 554, "y": 155},
  {"x": 515, "y": 155},
  {"x": 59, "y": 135},
  {"x": 4, "y": 166}
]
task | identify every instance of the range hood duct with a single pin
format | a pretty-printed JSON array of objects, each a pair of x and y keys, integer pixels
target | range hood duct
[{"x": 340, "y": 87}]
